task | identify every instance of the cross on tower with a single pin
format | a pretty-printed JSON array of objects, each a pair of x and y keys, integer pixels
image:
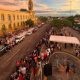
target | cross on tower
[{"x": 30, "y": 5}]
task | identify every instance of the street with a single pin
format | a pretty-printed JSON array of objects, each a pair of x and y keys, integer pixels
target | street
[
  {"x": 39, "y": 40},
  {"x": 24, "y": 48},
  {"x": 7, "y": 61}
]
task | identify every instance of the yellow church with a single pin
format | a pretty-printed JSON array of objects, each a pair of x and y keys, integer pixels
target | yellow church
[{"x": 12, "y": 20}]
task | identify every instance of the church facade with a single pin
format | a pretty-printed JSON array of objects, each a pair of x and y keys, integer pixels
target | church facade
[{"x": 12, "y": 20}]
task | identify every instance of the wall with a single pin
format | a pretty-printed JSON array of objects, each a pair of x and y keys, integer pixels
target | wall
[{"x": 14, "y": 20}]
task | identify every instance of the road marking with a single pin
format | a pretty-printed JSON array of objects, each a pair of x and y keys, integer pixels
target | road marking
[{"x": 3, "y": 65}]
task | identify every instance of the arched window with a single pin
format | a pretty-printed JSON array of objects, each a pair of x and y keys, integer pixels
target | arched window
[
  {"x": 3, "y": 28},
  {"x": 14, "y": 26},
  {"x": 2, "y": 17},
  {"x": 21, "y": 17},
  {"x": 26, "y": 16},
  {"x": 10, "y": 27},
  {"x": 18, "y": 24},
  {"x": 21, "y": 23},
  {"x": 18, "y": 17},
  {"x": 9, "y": 17},
  {"x": 13, "y": 17}
]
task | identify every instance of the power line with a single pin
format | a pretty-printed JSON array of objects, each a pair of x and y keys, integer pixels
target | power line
[{"x": 70, "y": 7}]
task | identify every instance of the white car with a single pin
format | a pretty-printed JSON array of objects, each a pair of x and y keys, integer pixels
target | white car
[
  {"x": 42, "y": 23},
  {"x": 22, "y": 38},
  {"x": 19, "y": 39},
  {"x": 28, "y": 33}
]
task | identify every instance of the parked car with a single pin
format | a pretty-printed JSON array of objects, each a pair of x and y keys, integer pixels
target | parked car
[
  {"x": 19, "y": 39},
  {"x": 39, "y": 25},
  {"x": 3, "y": 48},
  {"x": 28, "y": 33},
  {"x": 11, "y": 41},
  {"x": 35, "y": 29},
  {"x": 42, "y": 23}
]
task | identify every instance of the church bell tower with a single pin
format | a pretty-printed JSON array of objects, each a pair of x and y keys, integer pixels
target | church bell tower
[{"x": 30, "y": 5}]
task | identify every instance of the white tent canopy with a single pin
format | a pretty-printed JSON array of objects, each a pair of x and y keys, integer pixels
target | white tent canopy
[{"x": 64, "y": 39}]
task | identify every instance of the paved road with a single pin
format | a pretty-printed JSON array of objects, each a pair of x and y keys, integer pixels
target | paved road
[{"x": 7, "y": 62}]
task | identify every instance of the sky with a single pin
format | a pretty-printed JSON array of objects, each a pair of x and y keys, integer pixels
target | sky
[{"x": 45, "y": 7}]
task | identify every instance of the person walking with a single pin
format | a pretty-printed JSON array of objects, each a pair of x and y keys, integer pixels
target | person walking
[{"x": 68, "y": 67}]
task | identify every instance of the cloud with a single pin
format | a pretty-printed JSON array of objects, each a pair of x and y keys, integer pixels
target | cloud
[
  {"x": 42, "y": 7},
  {"x": 67, "y": 11},
  {"x": 8, "y": 3},
  {"x": 71, "y": 5},
  {"x": 13, "y": 4},
  {"x": 42, "y": 11}
]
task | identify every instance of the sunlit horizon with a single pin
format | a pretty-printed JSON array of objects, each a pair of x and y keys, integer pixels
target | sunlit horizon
[{"x": 44, "y": 8}]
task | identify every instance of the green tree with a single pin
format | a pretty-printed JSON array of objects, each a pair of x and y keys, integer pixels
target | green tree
[
  {"x": 67, "y": 22},
  {"x": 77, "y": 16},
  {"x": 30, "y": 23},
  {"x": 56, "y": 23},
  {"x": 43, "y": 19},
  {"x": 71, "y": 18}
]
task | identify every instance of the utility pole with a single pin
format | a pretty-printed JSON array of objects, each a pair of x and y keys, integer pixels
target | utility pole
[{"x": 70, "y": 7}]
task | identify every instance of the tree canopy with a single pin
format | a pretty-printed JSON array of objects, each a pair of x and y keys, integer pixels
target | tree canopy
[
  {"x": 61, "y": 23},
  {"x": 66, "y": 22},
  {"x": 71, "y": 18},
  {"x": 56, "y": 23},
  {"x": 43, "y": 19},
  {"x": 30, "y": 23}
]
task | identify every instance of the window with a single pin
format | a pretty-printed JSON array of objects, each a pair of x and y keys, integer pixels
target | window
[
  {"x": 17, "y": 24},
  {"x": 13, "y": 17},
  {"x": 2, "y": 17},
  {"x": 21, "y": 23},
  {"x": 17, "y": 17},
  {"x": 26, "y": 16},
  {"x": 21, "y": 17},
  {"x": 14, "y": 26},
  {"x": 3, "y": 28},
  {"x": 9, "y": 17},
  {"x": 10, "y": 27}
]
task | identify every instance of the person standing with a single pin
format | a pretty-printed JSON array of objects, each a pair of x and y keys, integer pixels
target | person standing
[{"x": 68, "y": 67}]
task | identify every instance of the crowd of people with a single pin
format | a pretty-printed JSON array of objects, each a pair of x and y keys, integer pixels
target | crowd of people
[{"x": 28, "y": 67}]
